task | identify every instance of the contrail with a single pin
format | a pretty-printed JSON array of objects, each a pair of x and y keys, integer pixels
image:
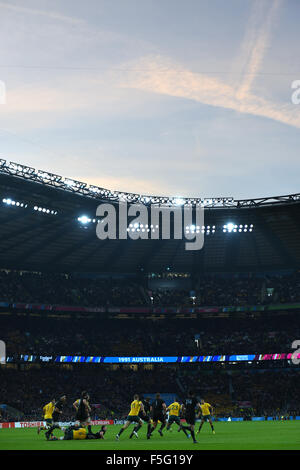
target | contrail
[
  {"x": 256, "y": 42},
  {"x": 165, "y": 77}
]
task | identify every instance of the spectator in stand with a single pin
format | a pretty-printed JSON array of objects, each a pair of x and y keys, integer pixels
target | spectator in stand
[
  {"x": 229, "y": 392},
  {"x": 49, "y": 288}
]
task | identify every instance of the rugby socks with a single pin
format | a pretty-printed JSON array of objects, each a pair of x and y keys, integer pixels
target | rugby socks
[
  {"x": 185, "y": 427},
  {"x": 188, "y": 428},
  {"x": 152, "y": 429},
  {"x": 211, "y": 425},
  {"x": 138, "y": 426},
  {"x": 184, "y": 430},
  {"x": 50, "y": 430},
  {"x": 135, "y": 430}
]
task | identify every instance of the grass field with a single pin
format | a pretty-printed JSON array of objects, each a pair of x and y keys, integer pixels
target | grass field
[{"x": 229, "y": 436}]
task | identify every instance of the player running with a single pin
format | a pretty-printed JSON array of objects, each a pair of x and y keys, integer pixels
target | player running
[
  {"x": 133, "y": 417},
  {"x": 206, "y": 414},
  {"x": 83, "y": 411},
  {"x": 56, "y": 416},
  {"x": 174, "y": 412},
  {"x": 144, "y": 415},
  {"x": 47, "y": 416},
  {"x": 158, "y": 409},
  {"x": 190, "y": 407}
]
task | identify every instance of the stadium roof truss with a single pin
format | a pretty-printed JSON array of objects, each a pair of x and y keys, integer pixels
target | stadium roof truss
[
  {"x": 68, "y": 184},
  {"x": 43, "y": 230}
]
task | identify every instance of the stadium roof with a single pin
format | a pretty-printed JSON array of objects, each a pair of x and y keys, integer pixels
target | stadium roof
[{"x": 40, "y": 230}]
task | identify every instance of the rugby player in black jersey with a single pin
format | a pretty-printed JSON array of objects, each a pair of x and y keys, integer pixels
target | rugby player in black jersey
[
  {"x": 158, "y": 409},
  {"x": 83, "y": 411},
  {"x": 190, "y": 407}
]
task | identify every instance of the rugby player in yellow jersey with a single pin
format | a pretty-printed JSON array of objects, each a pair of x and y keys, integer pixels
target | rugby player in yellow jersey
[
  {"x": 174, "y": 412},
  {"x": 77, "y": 432},
  {"x": 47, "y": 415},
  {"x": 56, "y": 416},
  {"x": 206, "y": 413},
  {"x": 133, "y": 417}
]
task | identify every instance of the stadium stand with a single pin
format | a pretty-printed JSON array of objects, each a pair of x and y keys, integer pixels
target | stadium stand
[
  {"x": 65, "y": 292},
  {"x": 228, "y": 391},
  {"x": 61, "y": 336}
]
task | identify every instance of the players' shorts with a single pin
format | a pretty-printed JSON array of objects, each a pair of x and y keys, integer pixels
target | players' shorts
[
  {"x": 85, "y": 421},
  {"x": 133, "y": 419},
  {"x": 49, "y": 422},
  {"x": 68, "y": 435},
  {"x": 144, "y": 417},
  {"x": 55, "y": 419},
  {"x": 91, "y": 436},
  {"x": 206, "y": 417},
  {"x": 174, "y": 419},
  {"x": 190, "y": 419},
  {"x": 81, "y": 417},
  {"x": 158, "y": 417}
]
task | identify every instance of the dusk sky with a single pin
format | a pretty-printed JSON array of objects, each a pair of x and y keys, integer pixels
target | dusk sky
[{"x": 166, "y": 97}]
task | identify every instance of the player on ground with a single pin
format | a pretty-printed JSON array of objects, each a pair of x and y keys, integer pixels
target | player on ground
[
  {"x": 206, "y": 414},
  {"x": 190, "y": 406},
  {"x": 144, "y": 415},
  {"x": 56, "y": 416},
  {"x": 47, "y": 416},
  {"x": 158, "y": 409},
  {"x": 174, "y": 412},
  {"x": 133, "y": 417},
  {"x": 79, "y": 433},
  {"x": 83, "y": 411}
]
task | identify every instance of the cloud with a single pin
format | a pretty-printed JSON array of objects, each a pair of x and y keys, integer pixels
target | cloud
[
  {"x": 161, "y": 75},
  {"x": 107, "y": 90}
]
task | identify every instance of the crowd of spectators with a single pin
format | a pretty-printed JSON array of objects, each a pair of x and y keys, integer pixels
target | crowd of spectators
[
  {"x": 30, "y": 389},
  {"x": 60, "y": 289},
  {"x": 124, "y": 337},
  {"x": 237, "y": 291},
  {"x": 213, "y": 291},
  {"x": 41, "y": 334},
  {"x": 69, "y": 290},
  {"x": 272, "y": 393},
  {"x": 231, "y": 393},
  {"x": 269, "y": 392}
]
